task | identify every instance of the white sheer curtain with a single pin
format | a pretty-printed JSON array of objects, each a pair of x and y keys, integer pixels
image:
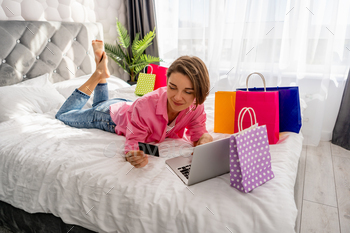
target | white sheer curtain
[{"x": 291, "y": 42}]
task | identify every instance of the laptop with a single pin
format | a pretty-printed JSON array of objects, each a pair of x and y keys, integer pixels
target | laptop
[{"x": 208, "y": 161}]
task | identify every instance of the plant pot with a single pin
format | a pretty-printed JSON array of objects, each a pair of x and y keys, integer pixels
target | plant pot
[{"x": 131, "y": 82}]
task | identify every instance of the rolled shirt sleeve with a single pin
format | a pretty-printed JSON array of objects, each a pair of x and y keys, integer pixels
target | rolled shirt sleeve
[
  {"x": 197, "y": 126},
  {"x": 137, "y": 129}
]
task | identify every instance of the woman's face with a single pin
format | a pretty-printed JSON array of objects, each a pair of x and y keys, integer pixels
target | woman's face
[{"x": 180, "y": 92}]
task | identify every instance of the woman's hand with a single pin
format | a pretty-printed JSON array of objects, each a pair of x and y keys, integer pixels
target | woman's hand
[
  {"x": 204, "y": 139},
  {"x": 137, "y": 158}
]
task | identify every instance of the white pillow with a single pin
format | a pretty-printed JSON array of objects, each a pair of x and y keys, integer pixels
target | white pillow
[
  {"x": 67, "y": 87},
  {"x": 19, "y": 100},
  {"x": 40, "y": 81}
]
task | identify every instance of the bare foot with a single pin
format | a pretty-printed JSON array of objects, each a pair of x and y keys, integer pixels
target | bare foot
[
  {"x": 97, "y": 45},
  {"x": 102, "y": 68}
]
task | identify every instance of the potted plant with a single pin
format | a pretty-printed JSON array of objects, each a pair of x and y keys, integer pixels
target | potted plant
[{"x": 136, "y": 61}]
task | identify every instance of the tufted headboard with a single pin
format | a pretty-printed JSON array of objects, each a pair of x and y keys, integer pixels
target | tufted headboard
[{"x": 32, "y": 48}]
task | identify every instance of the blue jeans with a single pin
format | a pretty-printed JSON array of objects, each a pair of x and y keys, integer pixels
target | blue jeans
[{"x": 72, "y": 114}]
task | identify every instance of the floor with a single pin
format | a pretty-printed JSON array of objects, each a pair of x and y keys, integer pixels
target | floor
[{"x": 322, "y": 190}]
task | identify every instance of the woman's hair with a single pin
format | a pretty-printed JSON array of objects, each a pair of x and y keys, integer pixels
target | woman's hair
[{"x": 196, "y": 70}]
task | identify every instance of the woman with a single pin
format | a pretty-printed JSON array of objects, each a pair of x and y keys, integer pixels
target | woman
[{"x": 165, "y": 112}]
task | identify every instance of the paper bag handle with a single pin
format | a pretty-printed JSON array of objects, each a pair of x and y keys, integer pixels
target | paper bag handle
[
  {"x": 241, "y": 117},
  {"x": 262, "y": 77},
  {"x": 145, "y": 68}
]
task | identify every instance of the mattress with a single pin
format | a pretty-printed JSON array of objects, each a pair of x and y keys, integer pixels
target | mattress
[{"x": 81, "y": 176}]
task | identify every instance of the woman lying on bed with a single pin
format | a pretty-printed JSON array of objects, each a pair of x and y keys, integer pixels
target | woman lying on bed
[{"x": 165, "y": 112}]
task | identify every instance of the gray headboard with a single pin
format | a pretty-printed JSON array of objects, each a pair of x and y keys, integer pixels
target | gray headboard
[{"x": 32, "y": 48}]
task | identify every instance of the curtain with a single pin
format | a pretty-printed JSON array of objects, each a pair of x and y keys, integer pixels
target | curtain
[
  {"x": 341, "y": 131},
  {"x": 141, "y": 19},
  {"x": 291, "y": 42}
]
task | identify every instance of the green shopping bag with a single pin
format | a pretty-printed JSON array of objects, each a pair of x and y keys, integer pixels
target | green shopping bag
[{"x": 145, "y": 83}]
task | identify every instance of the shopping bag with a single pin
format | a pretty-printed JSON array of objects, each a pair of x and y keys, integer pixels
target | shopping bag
[
  {"x": 145, "y": 83},
  {"x": 250, "y": 158},
  {"x": 160, "y": 72},
  {"x": 224, "y": 112},
  {"x": 266, "y": 107},
  {"x": 289, "y": 107}
]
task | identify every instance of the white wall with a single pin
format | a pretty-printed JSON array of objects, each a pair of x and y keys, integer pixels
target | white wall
[
  {"x": 333, "y": 101},
  {"x": 102, "y": 11},
  {"x": 322, "y": 110}
]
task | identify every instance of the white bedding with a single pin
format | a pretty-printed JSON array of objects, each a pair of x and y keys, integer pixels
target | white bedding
[{"x": 81, "y": 176}]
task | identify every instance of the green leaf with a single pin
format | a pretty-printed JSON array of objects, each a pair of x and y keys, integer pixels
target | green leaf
[
  {"x": 150, "y": 59},
  {"x": 117, "y": 54},
  {"x": 141, "y": 45},
  {"x": 144, "y": 61},
  {"x": 116, "y": 51},
  {"x": 126, "y": 54},
  {"x": 139, "y": 67},
  {"x": 136, "y": 39},
  {"x": 146, "y": 58},
  {"x": 121, "y": 64},
  {"x": 124, "y": 37}
]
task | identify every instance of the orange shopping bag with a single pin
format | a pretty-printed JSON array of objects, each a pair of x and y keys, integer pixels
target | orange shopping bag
[{"x": 224, "y": 112}]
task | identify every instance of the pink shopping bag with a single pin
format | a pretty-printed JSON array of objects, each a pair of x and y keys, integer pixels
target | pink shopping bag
[
  {"x": 266, "y": 107},
  {"x": 250, "y": 159},
  {"x": 160, "y": 73}
]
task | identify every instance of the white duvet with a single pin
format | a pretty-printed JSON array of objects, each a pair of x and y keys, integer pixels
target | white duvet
[{"x": 81, "y": 176}]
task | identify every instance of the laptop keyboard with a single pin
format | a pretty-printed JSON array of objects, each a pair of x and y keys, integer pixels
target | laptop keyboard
[{"x": 185, "y": 170}]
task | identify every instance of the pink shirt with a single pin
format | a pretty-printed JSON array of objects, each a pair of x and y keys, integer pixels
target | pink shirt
[{"x": 146, "y": 119}]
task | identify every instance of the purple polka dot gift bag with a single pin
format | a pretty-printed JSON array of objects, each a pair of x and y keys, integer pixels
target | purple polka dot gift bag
[{"x": 250, "y": 159}]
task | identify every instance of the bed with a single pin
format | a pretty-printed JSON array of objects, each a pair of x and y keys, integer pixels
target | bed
[{"x": 78, "y": 178}]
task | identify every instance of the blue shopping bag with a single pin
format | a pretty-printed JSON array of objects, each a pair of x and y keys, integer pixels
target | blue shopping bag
[{"x": 289, "y": 107}]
